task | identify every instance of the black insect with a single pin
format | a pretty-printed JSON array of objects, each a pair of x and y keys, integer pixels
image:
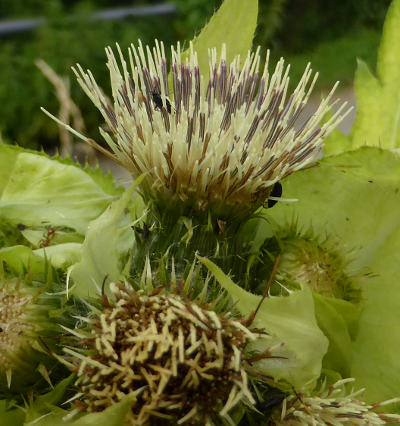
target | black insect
[
  {"x": 270, "y": 403},
  {"x": 276, "y": 192},
  {"x": 144, "y": 232},
  {"x": 159, "y": 102},
  {"x": 264, "y": 408}
]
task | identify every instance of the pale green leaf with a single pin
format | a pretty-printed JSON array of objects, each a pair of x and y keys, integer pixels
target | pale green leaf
[
  {"x": 333, "y": 325},
  {"x": 61, "y": 255},
  {"x": 43, "y": 192},
  {"x": 37, "y": 237},
  {"x": 233, "y": 24},
  {"x": 112, "y": 416},
  {"x": 9, "y": 153},
  {"x": 8, "y": 156},
  {"x": 378, "y": 98},
  {"x": 21, "y": 259},
  {"x": 336, "y": 143},
  {"x": 291, "y": 321},
  {"x": 43, "y": 402},
  {"x": 105, "y": 239},
  {"x": 355, "y": 196}
]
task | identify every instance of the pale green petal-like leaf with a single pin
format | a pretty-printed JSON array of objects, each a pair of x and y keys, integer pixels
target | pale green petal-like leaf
[
  {"x": 52, "y": 418},
  {"x": 290, "y": 320},
  {"x": 20, "y": 259},
  {"x": 233, "y": 24},
  {"x": 38, "y": 191},
  {"x": 43, "y": 411},
  {"x": 43, "y": 402},
  {"x": 61, "y": 255},
  {"x": 8, "y": 156},
  {"x": 101, "y": 250},
  {"x": 333, "y": 325},
  {"x": 336, "y": 143},
  {"x": 356, "y": 197},
  {"x": 378, "y": 98},
  {"x": 112, "y": 416}
]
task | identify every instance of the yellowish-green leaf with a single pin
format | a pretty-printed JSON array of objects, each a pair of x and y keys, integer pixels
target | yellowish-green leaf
[
  {"x": 39, "y": 191},
  {"x": 290, "y": 321},
  {"x": 355, "y": 196},
  {"x": 336, "y": 143},
  {"x": 115, "y": 415},
  {"x": 233, "y": 24},
  {"x": 378, "y": 98},
  {"x": 61, "y": 255},
  {"x": 101, "y": 250}
]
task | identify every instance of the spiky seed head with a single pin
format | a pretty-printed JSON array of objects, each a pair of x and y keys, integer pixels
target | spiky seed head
[
  {"x": 216, "y": 139},
  {"x": 24, "y": 321},
  {"x": 333, "y": 405},
  {"x": 323, "y": 264},
  {"x": 187, "y": 359}
]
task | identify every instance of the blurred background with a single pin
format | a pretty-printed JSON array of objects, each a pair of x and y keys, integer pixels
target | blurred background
[{"x": 59, "y": 33}]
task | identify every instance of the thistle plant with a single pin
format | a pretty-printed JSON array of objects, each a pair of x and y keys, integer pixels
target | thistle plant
[
  {"x": 211, "y": 150},
  {"x": 214, "y": 139}
]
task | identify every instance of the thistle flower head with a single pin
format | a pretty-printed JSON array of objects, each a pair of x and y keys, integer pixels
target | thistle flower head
[
  {"x": 186, "y": 359},
  {"x": 23, "y": 321},
  {"x": 333, "y": 406},
  {"x": 214, "y": 139},
  {"x": 322, "y": 263}
]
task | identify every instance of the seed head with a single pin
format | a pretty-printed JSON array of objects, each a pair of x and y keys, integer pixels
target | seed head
[
  {"x": 216, "y": 143},
  {"x": 186, "y": 359}
]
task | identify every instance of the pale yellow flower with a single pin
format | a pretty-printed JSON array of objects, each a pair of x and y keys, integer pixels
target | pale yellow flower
[{"x": 216, "y": 139}]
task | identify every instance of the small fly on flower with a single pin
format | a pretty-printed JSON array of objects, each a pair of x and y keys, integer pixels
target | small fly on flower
[{"x": 159, "y": 102}]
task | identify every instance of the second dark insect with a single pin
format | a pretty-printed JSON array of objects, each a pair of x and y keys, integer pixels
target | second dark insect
[{"x": 275, "y": 192}]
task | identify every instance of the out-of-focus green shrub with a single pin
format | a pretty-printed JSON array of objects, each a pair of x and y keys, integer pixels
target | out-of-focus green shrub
[
  {"x": 63, "y": 41},
  {"x": 306, "y": 23}
]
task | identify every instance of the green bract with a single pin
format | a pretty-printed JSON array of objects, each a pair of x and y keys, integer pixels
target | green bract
[
  {"x": 234, "y": 25},
  {"x": 108, "y": 237},
  {"x": 359, "y": 202},
  {"x": 38, "y": 191},
  {"x": 291, "y": 322},
  {"x": 26, "y": 309}
]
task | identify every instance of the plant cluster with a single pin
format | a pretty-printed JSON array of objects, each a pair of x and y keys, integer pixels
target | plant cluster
[{"x": 241, "y": 279}]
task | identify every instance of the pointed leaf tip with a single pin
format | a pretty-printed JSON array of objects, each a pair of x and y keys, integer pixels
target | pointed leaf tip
[{"x": 234, "y": 25}]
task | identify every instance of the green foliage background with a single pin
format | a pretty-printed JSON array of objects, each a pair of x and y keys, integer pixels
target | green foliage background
[{"x": 300, "y": 30}]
